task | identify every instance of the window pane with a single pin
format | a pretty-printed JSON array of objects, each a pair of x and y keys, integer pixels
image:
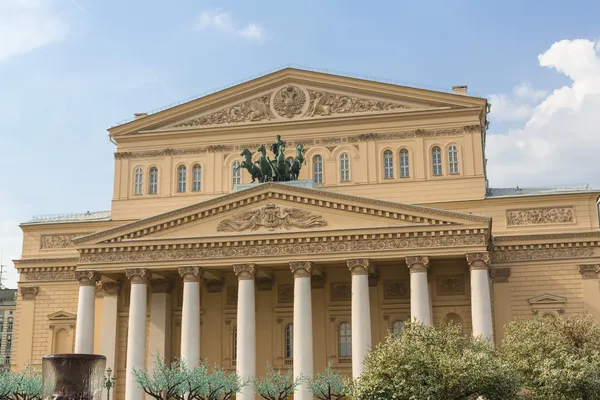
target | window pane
[
  {"x": 289, "y": 341},
  {"x": 345, "y": 340},
  {"x": 153, "y": 189},
  {"x": 236, "y": 174},
  {"x": 404, "y": 169},
  {"x": 397, "y": 326},
  {"x": 344, "y": 167},
  {"x": 318, "y": 169},
  {"x": 234, "y": 344},
  {"x": 388, "y": 165},
  {"x": 138, "y": 176},
  {"x": 182, "y": 179},
  {"x": 436, "y": 160},
  {"x": 197, "y": 178},
  {"x": 453, "y": 159}
]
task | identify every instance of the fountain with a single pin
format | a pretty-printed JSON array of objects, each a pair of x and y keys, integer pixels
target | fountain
[{"x": 73, "y": 376}]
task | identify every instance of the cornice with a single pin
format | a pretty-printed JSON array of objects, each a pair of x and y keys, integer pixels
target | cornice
[
  {"x": 571, "y": 235},
  {"x": 238, "y": 200},
  {"x": 45, "y": 260},
  {"x": 362, "y": 137}
]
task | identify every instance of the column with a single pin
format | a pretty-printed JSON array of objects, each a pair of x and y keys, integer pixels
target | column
[
  {"x": 420, "y": 307},
  {"x": 481, "y": 301},
  {"x": 159, "y": 334},
  {"x": 502, "y": 306},
  {"x": 361, "y": 313},
  {"x": 84, "y": 328},
  {"x": 246, "y": 328},
  {"x": 109, "y": 323},
  {"x": 136, "y": 330},
  {"x": 303, "y": 333},
  {"x": 190, "y": 316}
]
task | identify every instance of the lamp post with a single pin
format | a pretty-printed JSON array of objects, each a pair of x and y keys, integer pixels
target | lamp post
[{"x": 109, "y": 382}]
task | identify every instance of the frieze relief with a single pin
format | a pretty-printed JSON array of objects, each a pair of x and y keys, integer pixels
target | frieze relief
[
  {"x": 540, "y": 216},
  {"x": 396, "y": 289},
  {"x": 451, "y": 285},
  {"x": 285, "y": 293},
  {"x": 326, "y": 103},
  {"x": 48, "y": 276},
  {"x": 52, "y": 242},
  {"x": 541, "y": 254},
  {"x": 340, "y": 291},
  {"x": 330, "y": 142},
  {"x": 284, "y": 249},
  {"x": 271, "y": 217}
]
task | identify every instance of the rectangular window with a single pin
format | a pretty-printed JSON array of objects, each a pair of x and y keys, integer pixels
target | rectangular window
[
  {"x": 153, "y": 181},
  {"x": 453, "y": 159},
  {"x": 318, "y": 169},
  {"x": 404, "y": 169},
  {"x": 181, "y": 179},
  {"x": 436, "y": 161},
  {"x": 388, "y": 165},
  {"x": 344, "y": 168}
]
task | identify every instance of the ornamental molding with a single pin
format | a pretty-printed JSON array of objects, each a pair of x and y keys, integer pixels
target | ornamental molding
[
  {"x": 301, "y": 269},
  {"x": 358, "y": 266},
  {"x": 271, "y": 217},
  {"x": 340, "y": 291},
  {"x": 576, "y": 235},
  {"x": 547, "y": 304},
  {"x": 28, "y": 292},
  {"x": 47, "y": 260},
  {"x": 478, "y": 261},
  {"x": 395, "y": 289},
  {"x": 540, "y": 216},
  {"x": 64, "y": 241},
  {"x": 87, "y": 277},
  {"x": 451, "y": 285},
  {"x": 418, "y": 263},
  {"x": 244, "y": 271},
  {"x": 589, "y": 271},
  {"x": 500, "y": 275},
  {"x": 47, "y": 274},
  {"x": 329, "y": 141},
  {"x": 271, "y": 191},
  {"x": 541, "y": 254},
  {"x": 190, "y": 273},
  {"x": 283, "y": 247}
]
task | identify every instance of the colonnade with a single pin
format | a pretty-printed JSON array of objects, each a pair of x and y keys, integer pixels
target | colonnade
[{"x": 420, "y": 306}]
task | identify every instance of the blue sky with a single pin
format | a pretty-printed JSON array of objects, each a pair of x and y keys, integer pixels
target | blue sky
[{"x": 69, "y": 69}]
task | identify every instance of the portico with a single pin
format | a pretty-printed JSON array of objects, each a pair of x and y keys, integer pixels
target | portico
[{"x": 387, "y": 268}]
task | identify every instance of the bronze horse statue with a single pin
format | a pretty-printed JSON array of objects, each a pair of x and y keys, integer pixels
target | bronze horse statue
[{"x": 252, "y": 169}]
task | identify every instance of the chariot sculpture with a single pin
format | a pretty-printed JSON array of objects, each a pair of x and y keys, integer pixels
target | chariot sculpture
[{"x": 279, "y": 169}]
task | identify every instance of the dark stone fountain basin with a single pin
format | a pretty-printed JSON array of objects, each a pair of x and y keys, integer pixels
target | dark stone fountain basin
[{"x": 73, "y": 376}]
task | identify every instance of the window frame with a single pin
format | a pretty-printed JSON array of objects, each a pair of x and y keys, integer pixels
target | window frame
[
  {"x": 388, "y": 164},
  {"x": 236, "y": 174},
  {"x": 437, "y": 161},
  {"x": 344, "y": 340},
  {"x": 181, "y": 181},
  {"x": 138, "y": 185},
  {"x": 404, "y": 169},
  {"x": 196, "y": 178},
  {"x": 288, "y": 348},
  {"x": 453, "y": 164},
  {"x": 345, "y": 175},
  {"x": 318, "y": 172},
  {"x": 152, "y": 185},
  {"x": 397, "y": 323}
]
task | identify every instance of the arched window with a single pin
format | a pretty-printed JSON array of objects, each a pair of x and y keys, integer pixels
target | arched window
[
  {"x": 318, "y": 169},
  {"x": 452, "y": 159},
  {"x": 138, "y": 180},
  {"x": 388, "y": 164},
  {"x": 344, "y": 167},
  {"x": 153, "y": 189},
  {"x": 234, "y": 344},
  {"x": 236, "y": 174},
  {"x": 436, "y": 160},
  {"x": 196, "y": 178},
  {"x": 289, "y": 341},
  {"x": 181, "y": 179},
  {"x": 397, "y": 326},
  {"x": 345, "y": 340},
  {"x": 404, "y": 169}
]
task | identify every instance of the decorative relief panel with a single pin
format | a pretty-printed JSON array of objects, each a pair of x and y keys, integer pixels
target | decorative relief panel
[
  {"x": 52, "y": 242},
  {"x": 232, "y": 295},
  {"x": 289, "y": 101},
  {"x": 341, "y": 291},
  {"x": 451, "y": 285},
  {"x": 256, "y": 109},
  {"x": 396, "y": 289},
  {"x": 326, "y": 103},
  {"x": 540, "y": 216},
  {"x": 542, "y": 254},
  {"x": 285, "y": 293},
  {"x": 276, "y": 249},
  {"x": 48, "y": 276},
  {"x": 271, "y": 217}
]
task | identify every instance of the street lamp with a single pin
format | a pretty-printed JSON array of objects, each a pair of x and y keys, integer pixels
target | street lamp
[{"x": 109, "y": 382}]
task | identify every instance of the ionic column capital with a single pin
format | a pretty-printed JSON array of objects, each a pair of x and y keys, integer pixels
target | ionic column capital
[
  {"x": 110, "y": 288},
  {"x": 589, "y": 271},
  {"x": 301, "y": 269},
  {"x": 28, "y": 292},
  {"x": 87, "y": 277},
  {"x": 244, "y": 271},
  {"x": 138, "y": 275},
  {"x": 358, "y": 266},
  {"x": 190, "y": 273},
  {"x": 161, "y": 286},
  {"x": 478, "y": 260},
  {"x": 417, "y": 263}
]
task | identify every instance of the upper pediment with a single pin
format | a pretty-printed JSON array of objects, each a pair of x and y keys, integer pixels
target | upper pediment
[
  {"x": 271, "y": 208},
  {"x": 295, "y": 95}
]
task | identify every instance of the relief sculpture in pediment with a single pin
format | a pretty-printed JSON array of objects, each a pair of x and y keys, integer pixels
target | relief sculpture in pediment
[
  {"x": 271, "y": 217},
  {"x": 325, "y": 103},
  {"x": 257, "y": 109}
]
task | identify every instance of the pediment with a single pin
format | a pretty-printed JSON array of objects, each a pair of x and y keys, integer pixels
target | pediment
[
  {"x": 547, "y": 299},
  {"x": 61, "y": 316},
  {"x": 271, "y": 209},
  {"x": 295, "y": 95}
]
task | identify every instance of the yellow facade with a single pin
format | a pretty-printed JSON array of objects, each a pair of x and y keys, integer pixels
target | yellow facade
[{"x": 543, "y": 245}]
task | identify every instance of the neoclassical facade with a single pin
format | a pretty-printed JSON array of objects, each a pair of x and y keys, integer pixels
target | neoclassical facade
[{"x": 391, "y": 219}]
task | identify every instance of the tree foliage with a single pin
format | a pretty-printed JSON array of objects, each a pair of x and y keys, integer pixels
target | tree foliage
[
  {"x": 424, "y": 363},
  {"x": 329, "y": 385},
  {"x": 165, "y": 381},
  {"x": 558, "y": 359},
  {"x": 21, "y": 385},
  {"x": 276, "y": 385}
]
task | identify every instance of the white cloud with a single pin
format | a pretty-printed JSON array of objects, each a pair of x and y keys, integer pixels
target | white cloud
[
  {"x": 222, "y": 21},
  {"x": 517, "y": 106},
  {"x": 559, "y": 144},
  {"x": 28, "y": 24}
]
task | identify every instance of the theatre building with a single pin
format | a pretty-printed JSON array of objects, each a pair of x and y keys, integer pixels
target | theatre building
[{"x": 390, "y": 218}]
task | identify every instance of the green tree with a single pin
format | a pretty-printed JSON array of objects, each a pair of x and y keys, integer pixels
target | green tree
[
  {"x": 165, "y": 381},
  {"x": 26, "y": 384},
  {"x": 276, "y": 385},
  {"x": 7, "y": 384},
  {"x": 424, "y": 363},
  {"x": 328, "y": 385},
  {"x": 559, "y": 359}
]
